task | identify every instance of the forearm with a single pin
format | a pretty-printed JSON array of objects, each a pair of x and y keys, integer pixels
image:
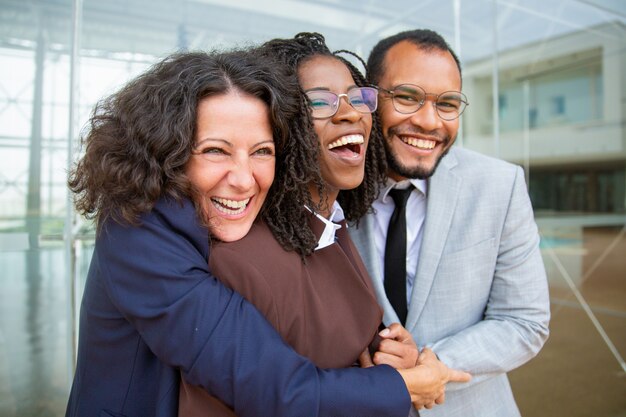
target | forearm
[
  {"x": 282, "y": 383},
  {"x": 491, "y": 347},
  {"x": 378, "y": 391},
  {"x": 512, "y": 332}
]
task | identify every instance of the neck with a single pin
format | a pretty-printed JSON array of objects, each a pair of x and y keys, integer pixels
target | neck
[
  {"x": 395, "y": 176},
  {"x": 323, "y": 207}
]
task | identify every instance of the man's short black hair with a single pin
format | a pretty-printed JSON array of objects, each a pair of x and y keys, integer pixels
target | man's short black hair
[{"x": 424, "y": 39}]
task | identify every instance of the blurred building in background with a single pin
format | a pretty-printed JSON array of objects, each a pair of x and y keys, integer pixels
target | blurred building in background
[{"x": 561, "y": 106}]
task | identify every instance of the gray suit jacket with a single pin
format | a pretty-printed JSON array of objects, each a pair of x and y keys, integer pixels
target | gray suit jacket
[{"x": 480, "y": 297}]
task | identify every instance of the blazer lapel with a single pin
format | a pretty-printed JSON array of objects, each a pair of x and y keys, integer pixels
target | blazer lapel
[
  {"x": 363, "y": 239},
  {"x": 443, "y": 192}
]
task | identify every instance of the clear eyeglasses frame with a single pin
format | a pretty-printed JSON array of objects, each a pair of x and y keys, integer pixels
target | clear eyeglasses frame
[
  {"x": 325, "y": 104},
  {"x": 409, "y": 98}
]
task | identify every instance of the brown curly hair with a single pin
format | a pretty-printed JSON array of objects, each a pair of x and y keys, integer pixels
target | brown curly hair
[
  {"x": 296, "y": 51},
  {"x": 139, "y": 139}
]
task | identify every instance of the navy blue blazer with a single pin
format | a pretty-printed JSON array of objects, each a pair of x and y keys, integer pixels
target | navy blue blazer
[{"x": 151, "y": 308}]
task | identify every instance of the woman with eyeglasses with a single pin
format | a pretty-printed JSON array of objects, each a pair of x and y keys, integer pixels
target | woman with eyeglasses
[{"x": 297, "y": 263}]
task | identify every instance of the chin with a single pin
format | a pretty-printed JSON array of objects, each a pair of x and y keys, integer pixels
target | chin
[
  {"x": 229, "y": 236},
  {"x": 230, "y": 233},
  {"x": 354, "y": 182}
]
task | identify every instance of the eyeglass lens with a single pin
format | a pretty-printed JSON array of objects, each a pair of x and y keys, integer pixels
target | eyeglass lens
[
  {"x": 408, "y": 98},
  {"x": 326, "y": 103}
]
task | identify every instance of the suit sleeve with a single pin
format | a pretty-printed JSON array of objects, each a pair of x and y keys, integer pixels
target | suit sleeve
[
  {"x": 515, "y": 325},
  {"x": 159, "y": 281},
  {"x": 247, "y": 279}
]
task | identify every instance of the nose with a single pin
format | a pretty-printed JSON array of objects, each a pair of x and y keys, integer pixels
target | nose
[
  {"x": 241, "y": 175},
  {"x": 346, "y": 112},
  {"x": 426, "y": 117}
]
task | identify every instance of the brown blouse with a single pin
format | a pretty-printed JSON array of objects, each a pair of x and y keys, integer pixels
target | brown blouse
[{"x": 325, "y": 307}]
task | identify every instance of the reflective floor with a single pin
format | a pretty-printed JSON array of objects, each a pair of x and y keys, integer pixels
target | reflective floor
[
  {"x": 33, "y": 334},
  {"x": 576, "y": 374}
]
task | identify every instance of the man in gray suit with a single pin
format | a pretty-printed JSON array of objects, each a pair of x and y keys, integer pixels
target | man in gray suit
[{"x": 472, "y": 281}]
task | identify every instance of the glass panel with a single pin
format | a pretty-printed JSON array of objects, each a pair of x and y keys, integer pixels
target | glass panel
[
  {"x": 35, "y": 357},
  {"x": 561, "y": 96}
]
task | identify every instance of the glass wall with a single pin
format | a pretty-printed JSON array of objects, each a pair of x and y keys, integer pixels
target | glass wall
[{"x": 547, "y": 89}]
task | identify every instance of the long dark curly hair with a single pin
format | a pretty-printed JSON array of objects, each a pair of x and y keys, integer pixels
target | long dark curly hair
[
  {"x": 356, "y": 202},
  {"x": 139, "y": 139}
]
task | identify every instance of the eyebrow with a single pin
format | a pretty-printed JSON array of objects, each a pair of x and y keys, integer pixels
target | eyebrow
[
  {"x": 224, "y": 141},
  {"x": 263, "y": 142},
  {"x": 230, "y": 145},
  {"x": 405, "y": 88},
  {"x": 317, "y": 89},
  {"x": 350, "y": 87}
]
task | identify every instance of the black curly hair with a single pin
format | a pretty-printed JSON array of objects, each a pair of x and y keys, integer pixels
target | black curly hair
[
  {"x": 140, "y": 138},
  {"x": 296, "y": 51}
]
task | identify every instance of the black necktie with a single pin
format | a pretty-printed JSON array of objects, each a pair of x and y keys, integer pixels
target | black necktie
[{"x": 395, "y": 254}]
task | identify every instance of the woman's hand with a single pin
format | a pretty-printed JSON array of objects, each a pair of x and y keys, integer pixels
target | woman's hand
[
  {"x": 365, "y": 359},
  {"x": 397, "y": 349}
]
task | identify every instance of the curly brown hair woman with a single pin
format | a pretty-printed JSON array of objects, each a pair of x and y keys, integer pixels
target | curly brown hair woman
[{"x": 141, "y": 138}]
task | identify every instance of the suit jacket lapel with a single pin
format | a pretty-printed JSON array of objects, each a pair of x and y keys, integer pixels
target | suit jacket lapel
[
  {"x": 443, "y": 191},
  {"x": 363, "y": 239}
]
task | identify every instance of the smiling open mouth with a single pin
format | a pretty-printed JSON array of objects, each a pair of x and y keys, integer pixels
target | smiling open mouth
[
  {"x": 231, "y": 207},
  {"x": 347, "y": 145},
  {"x": 419, "y": 143}
]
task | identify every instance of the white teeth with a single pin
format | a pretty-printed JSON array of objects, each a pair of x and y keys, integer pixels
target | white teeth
[
  {"x": 420, "y": 143},
  {"x": 230, "y": 206},
  {"x": 346, "y": 140}
]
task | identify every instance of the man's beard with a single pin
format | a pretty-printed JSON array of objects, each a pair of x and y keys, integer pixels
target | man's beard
[{"x": 414, "y": 172}]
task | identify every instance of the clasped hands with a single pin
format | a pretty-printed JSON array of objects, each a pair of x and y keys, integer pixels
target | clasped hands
[{"x": 424, "y": 374}]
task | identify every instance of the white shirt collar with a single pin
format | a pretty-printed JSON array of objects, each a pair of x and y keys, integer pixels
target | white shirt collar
[
  {"x": 330, "y": 225},
  {"x": 420, "y": 185}
]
